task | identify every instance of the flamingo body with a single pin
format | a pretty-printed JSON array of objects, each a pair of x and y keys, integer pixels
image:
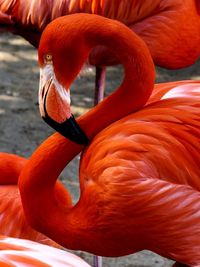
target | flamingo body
[
  {"x": 171, "y": 29},
  {"x": 139, "y": 176},
  {"x": 12, "y": 219},
  {"x": 20, "y": 252},
  {"x": 144, "y": 170}
]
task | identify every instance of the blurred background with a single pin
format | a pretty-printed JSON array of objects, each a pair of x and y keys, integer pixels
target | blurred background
[{"x": 22, "y": 129}]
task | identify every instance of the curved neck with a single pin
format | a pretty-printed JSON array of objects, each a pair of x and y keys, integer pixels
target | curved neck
[
  {"x": 37, "y": 181},
  {"x": 139, "y": 72}
]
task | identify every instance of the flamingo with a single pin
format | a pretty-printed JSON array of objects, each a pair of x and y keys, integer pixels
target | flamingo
[
  {"x": 21, "y": 252},
  {"x": 12, "y": 219},
  {"x": 170, "y": 28},
  {"x": 139, "y": 175}
]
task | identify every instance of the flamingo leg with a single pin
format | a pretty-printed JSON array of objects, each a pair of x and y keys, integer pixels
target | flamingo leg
[
  {"x": 98, "y": 97},
  {"x": 97, "y": 261},
  {"x": 99, "y": 84}
]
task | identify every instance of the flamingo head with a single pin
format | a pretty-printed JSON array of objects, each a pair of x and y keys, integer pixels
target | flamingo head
[{"x": 61, "y": 55}]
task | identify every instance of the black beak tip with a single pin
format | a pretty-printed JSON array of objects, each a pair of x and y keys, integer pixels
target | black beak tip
[
  {"x": 69, "y": 129},
  {"x": 80, "y": 139},
  {"x": 74, "y": 133}
]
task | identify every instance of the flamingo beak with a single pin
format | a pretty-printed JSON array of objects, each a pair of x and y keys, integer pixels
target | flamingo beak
[{"x": 54, "y": 105}]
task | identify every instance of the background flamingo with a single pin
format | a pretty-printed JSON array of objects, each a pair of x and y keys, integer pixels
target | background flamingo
[
  {"x": 171, "y": 29},
  {"x": 12, "y": 219},
  {"x": 143, "y": 167},
  {"x": 19, "y": 252}
]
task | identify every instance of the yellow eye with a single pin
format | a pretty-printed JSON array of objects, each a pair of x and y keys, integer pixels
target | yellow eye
[{"x": 48, "y": 59}]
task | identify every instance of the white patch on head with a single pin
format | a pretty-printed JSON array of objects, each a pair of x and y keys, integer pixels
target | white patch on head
[
  {"x": 47, "y": 77},
  {"x": 46, "y": 74},
  {"x": 64, "y": 93}
]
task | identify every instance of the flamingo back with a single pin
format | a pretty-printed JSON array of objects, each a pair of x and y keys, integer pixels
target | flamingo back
[
  {"x": 40, "y": 14},
  {"x": 171, "y": 29},
  {"x": 12, "y": 219},
  {"x": 18, "y": 252},
  {"x": 146, "y": 167}
]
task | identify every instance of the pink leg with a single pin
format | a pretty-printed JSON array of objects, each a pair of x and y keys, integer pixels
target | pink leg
[
  {"x": 98, "y": 97},
  {"x": 99, "y": 84},
  {"x": 97, "y": 261}
]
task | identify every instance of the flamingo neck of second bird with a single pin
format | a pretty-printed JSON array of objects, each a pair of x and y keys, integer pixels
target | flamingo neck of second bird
[{"x": 37, "y": 182}]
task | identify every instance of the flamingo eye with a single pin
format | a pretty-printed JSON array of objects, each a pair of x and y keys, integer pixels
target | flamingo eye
[{"x": 48, "y": 59}]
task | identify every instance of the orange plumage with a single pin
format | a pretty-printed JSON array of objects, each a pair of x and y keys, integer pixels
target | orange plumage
[
  {"x": 12, "y": 219},
  {"x": 139, "y": 177},
  {"x": 170, "y": 28},
  {"x": 19, "y": 252}
]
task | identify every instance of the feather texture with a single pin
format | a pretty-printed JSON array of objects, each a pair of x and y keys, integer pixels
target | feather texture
[
  {"x": 18, "y": 252},
  {"x": 12, "y": 219},
  {"x": 149, "y": 172},
  {"x": 171, "y": 29}
]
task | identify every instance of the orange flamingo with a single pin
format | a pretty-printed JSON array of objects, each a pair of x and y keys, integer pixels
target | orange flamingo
[
  {"x": 139, "y": 177},
  {"x": 21, "y": 252},
  {"x": 170, "y": 28},
  {"x": 12, "y": 219}
]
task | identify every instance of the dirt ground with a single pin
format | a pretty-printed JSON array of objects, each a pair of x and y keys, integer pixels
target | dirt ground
[{"x": 22, "y": 129}]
